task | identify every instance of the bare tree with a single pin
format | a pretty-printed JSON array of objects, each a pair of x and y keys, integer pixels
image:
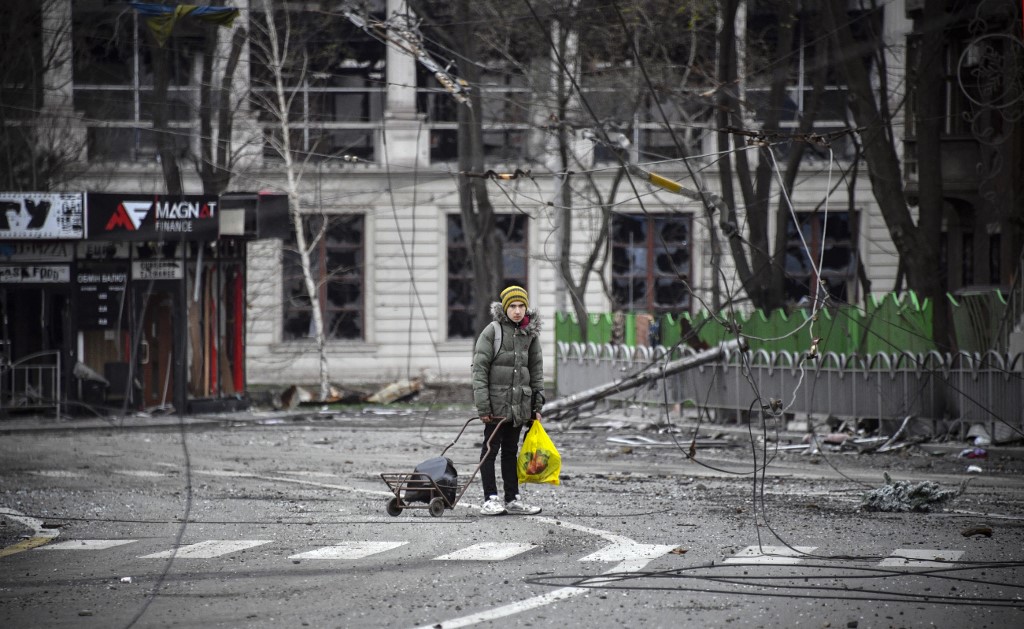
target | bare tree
[
  {"x": 453, "y": 23},
  {"x": 917, "y": 245},
  {"x": 273, "y": 48},
  {"x": 40, "y": 144},
  {"x": 216, "y": 113}
]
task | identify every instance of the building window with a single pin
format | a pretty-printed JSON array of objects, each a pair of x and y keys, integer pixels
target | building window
[
  {"x": 838, "y": 261},
  {"x": 462, "y": 290},
  {"x": 335, "y": 90},
  {"x": 337, "y": 262},
  {"x": 114, "y": 83},
  {"x": 651, "y": 263}
]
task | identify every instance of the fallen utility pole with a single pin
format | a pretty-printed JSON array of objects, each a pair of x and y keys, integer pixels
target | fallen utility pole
[{"x": 653, "y": 373}]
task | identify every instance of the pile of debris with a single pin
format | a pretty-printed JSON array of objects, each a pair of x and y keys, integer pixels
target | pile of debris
[
  {"x": 400, "y": 391},
  {"x": 903, "y": 496}
]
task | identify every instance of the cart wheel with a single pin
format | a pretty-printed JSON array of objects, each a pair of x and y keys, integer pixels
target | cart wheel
[
  {"x": 394, "y": 510},
  {"x": 437, "y": 507}
]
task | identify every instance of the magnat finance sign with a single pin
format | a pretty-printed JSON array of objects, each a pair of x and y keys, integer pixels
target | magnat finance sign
[{"x": 151, "y": 217}]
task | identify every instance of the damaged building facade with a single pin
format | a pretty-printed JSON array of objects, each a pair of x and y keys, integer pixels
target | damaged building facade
[
  {"x": 123, "y": 301},
  {"x": 375, "y": 134}
]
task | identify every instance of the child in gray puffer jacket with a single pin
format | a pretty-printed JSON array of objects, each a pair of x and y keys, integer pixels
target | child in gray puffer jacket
[{"x": 508, "y": 382}]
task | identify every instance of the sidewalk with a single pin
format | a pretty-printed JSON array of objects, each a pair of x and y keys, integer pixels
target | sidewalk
[
  {"x": 616, "y": 422},
  {"x": 28, "y": 424}
]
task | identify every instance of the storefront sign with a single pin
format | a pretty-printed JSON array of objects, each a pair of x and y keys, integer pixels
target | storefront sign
[
  {"x": 101, "y": 294},
  {"x": 151, "y": 217},
  {"x": 41, "y": 274},
  {"x": 157, "y": 270},
  {"x": 33, "y": 251},
  {"x": 98, "y": 250},
  {"x": 41, "y": 216}
]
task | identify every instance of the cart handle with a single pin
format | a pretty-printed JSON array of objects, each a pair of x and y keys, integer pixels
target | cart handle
[{"x": 466, "y": 425}]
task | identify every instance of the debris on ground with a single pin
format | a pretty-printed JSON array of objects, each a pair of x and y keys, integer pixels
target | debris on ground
[
  {"x": 294, "y": 395},
  {"x": 400, "y": 391},
  {"x": 971, "y": 531},
  {"x": 974, "y": 453},
  {"x": 903, "y": 496}
]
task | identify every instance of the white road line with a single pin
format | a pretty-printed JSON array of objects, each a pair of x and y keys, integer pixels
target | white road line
[
  {"x": 486, "y": 551},
  {"x": 87, "y": 544},
  {"x": 55, "y": 473},
  {"x": 920, "y": 558},
  {"x": 349, "y": 550},
  {"x": 553, "y": 596},
  {"x": 771, "y": 555},
  {"x": 140, "y": 473},
  {"x": 208, "y": 549},
  {"x": 632, "y": 550},
  {"x": 296, "y": 481}
]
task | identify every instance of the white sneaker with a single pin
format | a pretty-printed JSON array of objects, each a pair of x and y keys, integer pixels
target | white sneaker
[
  {"x": 493, "y": 506},
  {"x": 518, "y": 507}
]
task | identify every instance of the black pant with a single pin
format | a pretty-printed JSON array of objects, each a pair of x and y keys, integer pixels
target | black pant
[{"x": 507, "y": 442}]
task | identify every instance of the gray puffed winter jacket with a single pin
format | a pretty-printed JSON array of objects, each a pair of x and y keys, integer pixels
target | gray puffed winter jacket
[{"x": 509, "y": 383}]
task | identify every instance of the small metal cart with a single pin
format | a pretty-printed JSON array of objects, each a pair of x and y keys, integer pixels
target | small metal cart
[{"x": 429, "y": 494}]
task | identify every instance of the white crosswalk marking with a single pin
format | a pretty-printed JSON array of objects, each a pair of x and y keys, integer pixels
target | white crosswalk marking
[
  {"x": 486, "y": 551},
  {"x": 87, "y": 544},
  {"x": 209, "y": 549},
  {"x": 349, "y": 550},
  {"x": 140, "y": 473},
  {"x": 920, "y": 558},
  {"x": 771, "y": 554},
  {"x": 55, "y": 473},
  {"x": 622, "y": 552}
]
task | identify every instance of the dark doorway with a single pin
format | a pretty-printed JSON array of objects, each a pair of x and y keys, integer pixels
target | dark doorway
[{"x": 156, "y": 345}]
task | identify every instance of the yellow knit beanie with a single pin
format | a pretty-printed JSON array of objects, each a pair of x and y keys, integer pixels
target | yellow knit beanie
[{"x": 514, "y": 293}]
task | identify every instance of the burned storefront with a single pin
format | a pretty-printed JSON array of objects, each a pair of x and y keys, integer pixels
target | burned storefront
[{"x": 117, "y": 302}]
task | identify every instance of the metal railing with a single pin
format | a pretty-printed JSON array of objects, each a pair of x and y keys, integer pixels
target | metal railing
[
  {"x": 31, "y": 382},
  {"x": 970, "y": 389}
]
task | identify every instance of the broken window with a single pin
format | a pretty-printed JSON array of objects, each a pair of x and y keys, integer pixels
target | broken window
[
  {"x": 336, "y": 263},
  {"x": 334, "y": 79},
  {"x": 462, "y": 290},
  {"x": 651, "y": 263},
  {"x": 829, "y": 238},
  {"x": 113, "y": 82}
]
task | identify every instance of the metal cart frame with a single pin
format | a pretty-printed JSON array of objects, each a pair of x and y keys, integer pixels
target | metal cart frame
[{"x": 401, "y": 482}]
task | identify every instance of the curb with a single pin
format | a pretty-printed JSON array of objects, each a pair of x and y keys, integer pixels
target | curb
[{"x": 40, "y": 534}]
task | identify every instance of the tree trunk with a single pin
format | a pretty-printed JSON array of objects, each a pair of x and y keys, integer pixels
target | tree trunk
[
  {"x": 164, "y": 148},
  {"x": 917, "y": 248},
  {"x": 930, "y": 119},
  {"x": 727, "y": 101},
  {"x": 478, "y": 221},
  {"x": 215, "y": 151}
]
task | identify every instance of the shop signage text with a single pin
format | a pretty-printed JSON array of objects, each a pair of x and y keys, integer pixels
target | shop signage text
[
  {"x": 41, "y": 216},
  {"x": 35, "y": 274}
]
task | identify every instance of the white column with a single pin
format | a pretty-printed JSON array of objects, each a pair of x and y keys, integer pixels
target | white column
[
  {"x": 57, "y": 92},
  {"x": 59, "y": 128},
  {"x": 406, "y": 141},
  {"x": 246, "y": 134}
]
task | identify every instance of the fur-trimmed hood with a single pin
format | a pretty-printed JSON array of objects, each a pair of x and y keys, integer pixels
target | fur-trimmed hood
[{"x": 532, "y": 328}]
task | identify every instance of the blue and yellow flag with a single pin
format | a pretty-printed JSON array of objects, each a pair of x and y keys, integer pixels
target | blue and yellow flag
[{"x": 161, "y": 18}]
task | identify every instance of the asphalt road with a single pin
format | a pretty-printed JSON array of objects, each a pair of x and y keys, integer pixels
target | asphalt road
[{"x": 282, "y": 523}]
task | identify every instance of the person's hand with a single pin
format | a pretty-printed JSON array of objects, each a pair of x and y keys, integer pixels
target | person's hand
[
  {"x": 487, "y": 419},
  {"x": 536, "y": 416}
]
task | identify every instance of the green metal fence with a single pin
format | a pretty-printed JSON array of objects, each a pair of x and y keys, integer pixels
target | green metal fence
[{"x": 886, "y": 325}]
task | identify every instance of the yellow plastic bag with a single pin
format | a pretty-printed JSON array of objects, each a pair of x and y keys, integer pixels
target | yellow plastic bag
[{"x": 539, "y": 461}]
